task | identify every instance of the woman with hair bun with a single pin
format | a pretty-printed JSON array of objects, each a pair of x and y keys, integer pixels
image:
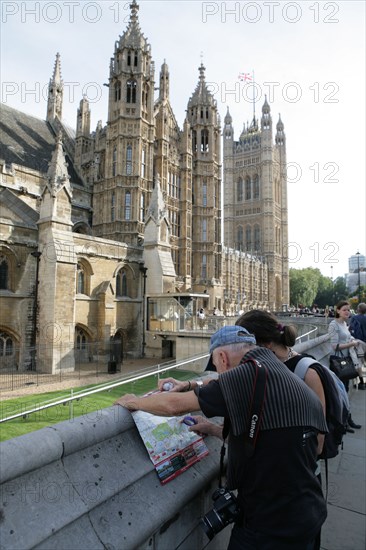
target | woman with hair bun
[{"x": 279, "y": 338}]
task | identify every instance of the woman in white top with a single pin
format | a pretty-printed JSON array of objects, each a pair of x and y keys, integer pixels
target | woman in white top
[{"x": 341, "y": 339}]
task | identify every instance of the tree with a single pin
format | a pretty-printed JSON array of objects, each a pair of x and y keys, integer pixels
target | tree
[
  {"x": 304, "y": 285},
  {"x": 325, "y": 294}
]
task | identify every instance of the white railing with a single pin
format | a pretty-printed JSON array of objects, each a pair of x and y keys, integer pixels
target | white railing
[
  {"x": 307, "y": 335},
  {"x": 154, "y": 371}
]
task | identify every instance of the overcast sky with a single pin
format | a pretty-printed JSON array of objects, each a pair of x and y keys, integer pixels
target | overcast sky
[{"x": 308, "y": 57}]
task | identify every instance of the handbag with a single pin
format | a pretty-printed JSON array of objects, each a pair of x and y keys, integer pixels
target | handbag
[{"x": 342, "y": 366}]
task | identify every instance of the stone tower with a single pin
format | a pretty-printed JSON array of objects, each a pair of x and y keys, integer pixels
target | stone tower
[
  {"x": 204, "y": 122},
  {"x": 122, "y": 196},
  {"x": 255, "y": 198}
]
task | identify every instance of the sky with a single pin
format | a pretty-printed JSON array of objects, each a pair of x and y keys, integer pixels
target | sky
[{"x": 308, "y": 57}]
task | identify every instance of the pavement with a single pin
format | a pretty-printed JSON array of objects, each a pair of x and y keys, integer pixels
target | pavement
[{"x": 345, "y": 527}]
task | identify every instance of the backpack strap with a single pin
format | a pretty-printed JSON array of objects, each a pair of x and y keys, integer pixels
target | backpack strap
[{"x": 303, "y": 365}]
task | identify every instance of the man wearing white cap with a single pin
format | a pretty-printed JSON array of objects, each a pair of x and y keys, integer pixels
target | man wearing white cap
[{"x": 271, "y": 452}]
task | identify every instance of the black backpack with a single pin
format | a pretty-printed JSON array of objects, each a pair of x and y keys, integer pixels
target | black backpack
[
  {"x": 336, "y": 405},
  {"x": 355, "y": 329}
]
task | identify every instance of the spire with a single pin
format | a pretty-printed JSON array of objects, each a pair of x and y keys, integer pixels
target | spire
[
  {"x": 57, "y": 70},
  {"x": 133, "y": 37},
  {"x": 55, "y": 92},
  {"x": 57, "y": 174},
  {"x": 228, "y": 118},
  {"x": 157, "y": 208},
  {"x": 56, "y": 205},
  {"x": 201, "y": 95}
]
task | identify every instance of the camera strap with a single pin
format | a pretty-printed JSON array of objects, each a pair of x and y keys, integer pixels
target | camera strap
[{"x": 255, "y": 415}]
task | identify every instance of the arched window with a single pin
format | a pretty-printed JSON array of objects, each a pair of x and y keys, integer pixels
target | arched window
[
  {"x": 129, "y": 160},
  {"x": 81, "y": 339},
  {"x": 6, "y": 345},
  {"x": 113, "y": 205},
  {"x": 83, "y": 277},
  {"x": 204, "y": 194},
  {"x": 80, "y": 280},
  {"x": 257, "y": 238},
  {"x": 131, "y": 91},
  {"x": 117, "y": 91},
  {"x": 204, "y": 230},
  {"x": 248, "y": 191},
  {"x": 142, "y": 207},
  {"x": 248, "y": 237},
  {"x": 194, "y": 141},
  {"x": 127, "y": 205},
  {"x": 240, "y": 238},
  {"x": 143, "y": 163},
  {"x": 114, "y": 162},
  {"x": 204, "y": 141},
  {"x": 256, "y": 187},
  {"x": 204, "y": 266},
  {"x": 4, "y": 273},
  {"x": 121, "y": 283},
  {"x": 239, "y": 190}
]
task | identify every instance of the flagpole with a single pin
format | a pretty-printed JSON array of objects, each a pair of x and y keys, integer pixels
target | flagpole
[{"x": 253, "y": 96}]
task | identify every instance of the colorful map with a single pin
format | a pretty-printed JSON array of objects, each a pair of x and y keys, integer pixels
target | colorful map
[{"x": 171, "y": 446}]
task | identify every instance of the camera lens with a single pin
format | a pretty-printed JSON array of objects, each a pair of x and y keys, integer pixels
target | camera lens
[{"x": 211, "y": 524}]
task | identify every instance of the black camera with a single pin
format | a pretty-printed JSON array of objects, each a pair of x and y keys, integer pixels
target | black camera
[{"x": 225, "y": 511}]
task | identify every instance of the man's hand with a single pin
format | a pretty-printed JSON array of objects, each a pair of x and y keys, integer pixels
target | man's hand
[
  {"x": 128, "y": 401},
  {"x": 178, "y": 386},
  {"x": 205, "y": 427}
]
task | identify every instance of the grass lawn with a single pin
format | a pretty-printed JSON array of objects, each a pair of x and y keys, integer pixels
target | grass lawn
[{"x": 59, "y": 413}]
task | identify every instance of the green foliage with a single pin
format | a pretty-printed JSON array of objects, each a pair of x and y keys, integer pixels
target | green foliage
[
  {"x": 304, "y": 285},
  {"x": 308, "y": 286}
]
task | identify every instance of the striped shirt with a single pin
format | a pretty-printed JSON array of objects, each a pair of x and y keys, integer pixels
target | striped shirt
[{"x": 288, "y": 403}]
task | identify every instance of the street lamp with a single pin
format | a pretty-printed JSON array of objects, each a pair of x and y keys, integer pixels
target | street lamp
[
  {"x": 331, "y": 276},
  {"x": 359, "y": 276},
  {"x": 36, "y": 255}
]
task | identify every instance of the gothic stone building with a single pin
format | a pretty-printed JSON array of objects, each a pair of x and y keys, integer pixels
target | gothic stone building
[{"x": 94, "y": 222}]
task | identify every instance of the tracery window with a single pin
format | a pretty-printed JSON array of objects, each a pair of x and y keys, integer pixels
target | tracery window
[
  {"x": 129, "y": 160},
  {"x": 4, "y": 273},
  {"x": 131, "y": 91},
  {"x": 121, "y": 283},
  {"x": 127, "y": 205},
  {"x": 239, "y": 190}
]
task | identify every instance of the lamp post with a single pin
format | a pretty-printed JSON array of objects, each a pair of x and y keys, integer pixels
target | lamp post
[
  {"x": 33, "y": 354},
  {"x": 143, "y": 270},
  {"x": 331, "y": 276},
  {"x": 359, "y": 276}
]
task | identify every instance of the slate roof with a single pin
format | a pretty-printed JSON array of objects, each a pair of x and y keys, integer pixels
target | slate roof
[
  {"x": 29, "y": 141},
  {"x": 28, "y": 215}
]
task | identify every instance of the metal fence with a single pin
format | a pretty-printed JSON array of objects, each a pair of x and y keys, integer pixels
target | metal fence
[{"x": 22, "y": 368}]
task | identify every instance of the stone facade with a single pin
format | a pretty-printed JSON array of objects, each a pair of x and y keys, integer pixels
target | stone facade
[{"x": 92, "y": 222}]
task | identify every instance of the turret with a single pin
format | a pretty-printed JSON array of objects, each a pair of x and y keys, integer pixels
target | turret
[
  {"x": 266, "y": 120},
  {"x": 164, "y": 82},
  {"x": 83, "y": 119},
  {"x": 280, "y": 134}
]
